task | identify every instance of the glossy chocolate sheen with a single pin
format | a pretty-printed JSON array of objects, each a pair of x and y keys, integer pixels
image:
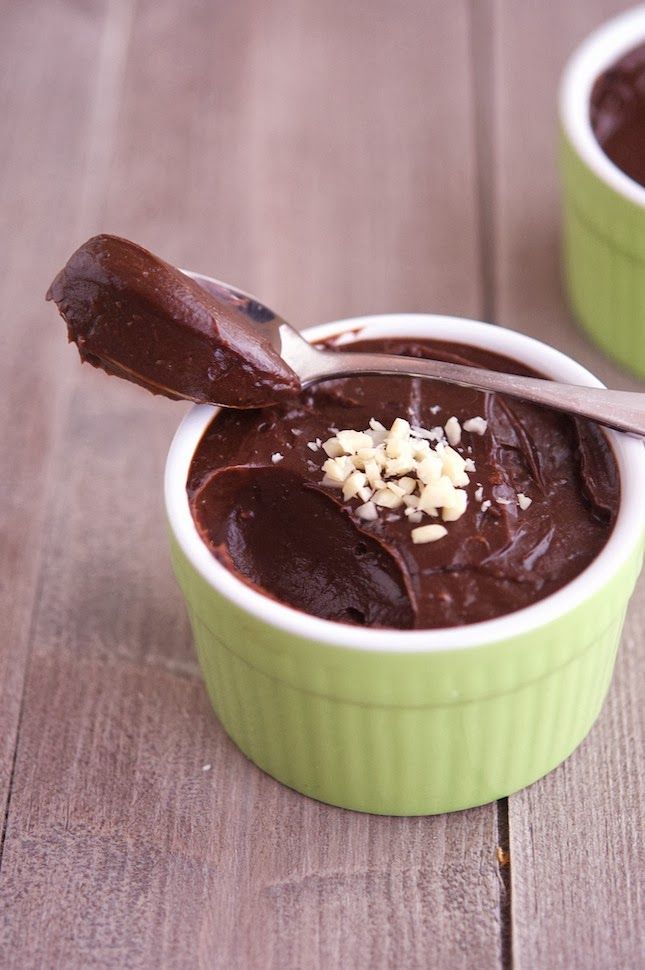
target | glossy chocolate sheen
[
  {"x": 137, "y": 317},
  {"x": 618, "y": 113},
  {"x": 282, "y": 532}
]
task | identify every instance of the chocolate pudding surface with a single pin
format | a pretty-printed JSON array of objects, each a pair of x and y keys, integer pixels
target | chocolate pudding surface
[
  {"x": 617, "y": 113},
  {"x": 258, "y": 500}
]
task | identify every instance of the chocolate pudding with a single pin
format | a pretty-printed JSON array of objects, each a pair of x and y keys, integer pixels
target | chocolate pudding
[
  {"x": 617, "y": 113},
  {"x": 135, "y": 316},
  {"x": 281, "y": 496}
]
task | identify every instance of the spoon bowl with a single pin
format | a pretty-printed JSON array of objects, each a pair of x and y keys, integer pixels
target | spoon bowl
[{"x": 620, "y": 410}]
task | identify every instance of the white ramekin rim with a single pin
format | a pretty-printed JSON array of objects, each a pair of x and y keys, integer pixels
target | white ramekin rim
[
  {"x": 626, "y": 535},
  {"x": 594, "y": 55}
]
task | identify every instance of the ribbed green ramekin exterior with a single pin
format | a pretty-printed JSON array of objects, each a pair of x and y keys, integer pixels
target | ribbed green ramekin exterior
[
  {"x": 604, "y": 250},
  {"x": 406, "y": 733}
]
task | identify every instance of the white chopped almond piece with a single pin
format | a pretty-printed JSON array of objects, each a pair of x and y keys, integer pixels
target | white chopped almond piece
[
  {"x": 407, "y": 484},
  {"x": 395, "y": 467},
  {"x": 486, "y": 505},
  {"x": 524, "y": 501},
  {"x": 438, "y": 495},
  {"x": 398, "y": 447},
  {"x": 376, "y": 425},
  {"x": 430, "y": 469},
  {"x": 400, "y": 428},
  {"x": 296, "y": 431},
  {"x": 411, "y": 501},
  {"x": 470, "y": 466},
  {"x": 373, "y": 473},
  {"x": 353, "y": 484},
  {"x": 387, "y": 499},
  {"x": 392, "y": 517},
  {"x": 460, "y": 480},
  {"x": 365, "y": 493},
  {"x": 479, "y": 493},
  {"x": 380, "y": 457},
  {"x": 333, "y": 448},
  {"x": 454, "y": 467},
  {"x": 420, "y": 449},
  {"x": 396, "y": 488},
  {"x": 414, "y": 515},
  {"x": 338, "y": 469},
  {"x": 312, "y": 446},
  {"x": 457, "y": 509},
  {"x": 368, "y": 512},
  {"x": 423, "y": 433},
  {"x": 436, "y": 434},
  {"x": 475, "y": 425},
  {"x": 331, "y": 482},
  {"x": 378, "y": 437},
  {"x": 351, "y": 441},
  {"x": 452, "y": 429},
  {"x": 428, "y": 533},
  {"x": 435, "y": 409},
  {"x": 366, "y": 454},
  {"x": 503, "y": 501},
  {"x": 452, "y": 460},
  {"x": 275, "y": 458}
]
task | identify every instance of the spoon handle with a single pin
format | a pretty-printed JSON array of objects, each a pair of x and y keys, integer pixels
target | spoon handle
[{"x": 622, "y": 410}]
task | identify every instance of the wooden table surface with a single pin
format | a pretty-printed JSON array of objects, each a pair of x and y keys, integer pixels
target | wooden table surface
[{"x": 336, "y": 158}]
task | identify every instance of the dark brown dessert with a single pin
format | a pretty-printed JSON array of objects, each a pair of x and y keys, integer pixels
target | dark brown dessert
[
  {"x": 618, "y": 113},
  {"x": 542, "y": 500},
  {"x": 137, "y": 317}
]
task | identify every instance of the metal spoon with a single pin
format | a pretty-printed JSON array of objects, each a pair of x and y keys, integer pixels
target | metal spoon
[{"x": 622, "y": 410}]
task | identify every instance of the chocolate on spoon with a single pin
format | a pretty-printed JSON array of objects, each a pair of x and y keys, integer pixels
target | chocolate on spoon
[
  {"x": 137, "y": 317},
  {"x": 140, "y": 318}
]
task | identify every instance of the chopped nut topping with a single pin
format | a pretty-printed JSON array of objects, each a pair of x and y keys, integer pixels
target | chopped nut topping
[
  {"x": 367, "y": 512},
  {"x": 387, "y": 499},
  {"x": 332, "y": 447},
  {"x": 453, "y": 431},
  {"x": 276, "y": 457},
  {"x": 353, "y": 485},
  {"x": 524, "y": 501},
  {"x": 428, "y": 533},
  {"x": 351, "y": 441},
  {"x": 475, "y": 425},
  {"x": 400, "y": 468}
]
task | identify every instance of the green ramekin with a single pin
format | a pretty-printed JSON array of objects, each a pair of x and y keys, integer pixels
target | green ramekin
[
  {"x": 409, "y": 722},
  {"x": 603, "y": 208}
]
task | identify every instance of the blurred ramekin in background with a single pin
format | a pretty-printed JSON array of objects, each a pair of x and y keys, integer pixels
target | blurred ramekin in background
[
  {"x": 409, "y": 722},
  {"x": 604, "y": 209}
]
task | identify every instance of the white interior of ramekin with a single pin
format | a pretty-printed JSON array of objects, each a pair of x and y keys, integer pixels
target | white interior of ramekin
[
  {"x": 627, "y": 533},
  {"x": 598, "y": 52}
]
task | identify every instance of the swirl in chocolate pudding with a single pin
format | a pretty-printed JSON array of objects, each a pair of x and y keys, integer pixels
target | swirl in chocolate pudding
[
  {"x": 279, "y": 529},
  {"x": 617, "y": 113}
]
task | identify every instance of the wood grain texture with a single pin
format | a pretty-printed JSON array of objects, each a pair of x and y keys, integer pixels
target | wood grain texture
[
  {"x": 42, "y": 164},
  {"x": 576, "y": 837},
  {"x": 300, "y": 151}
]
